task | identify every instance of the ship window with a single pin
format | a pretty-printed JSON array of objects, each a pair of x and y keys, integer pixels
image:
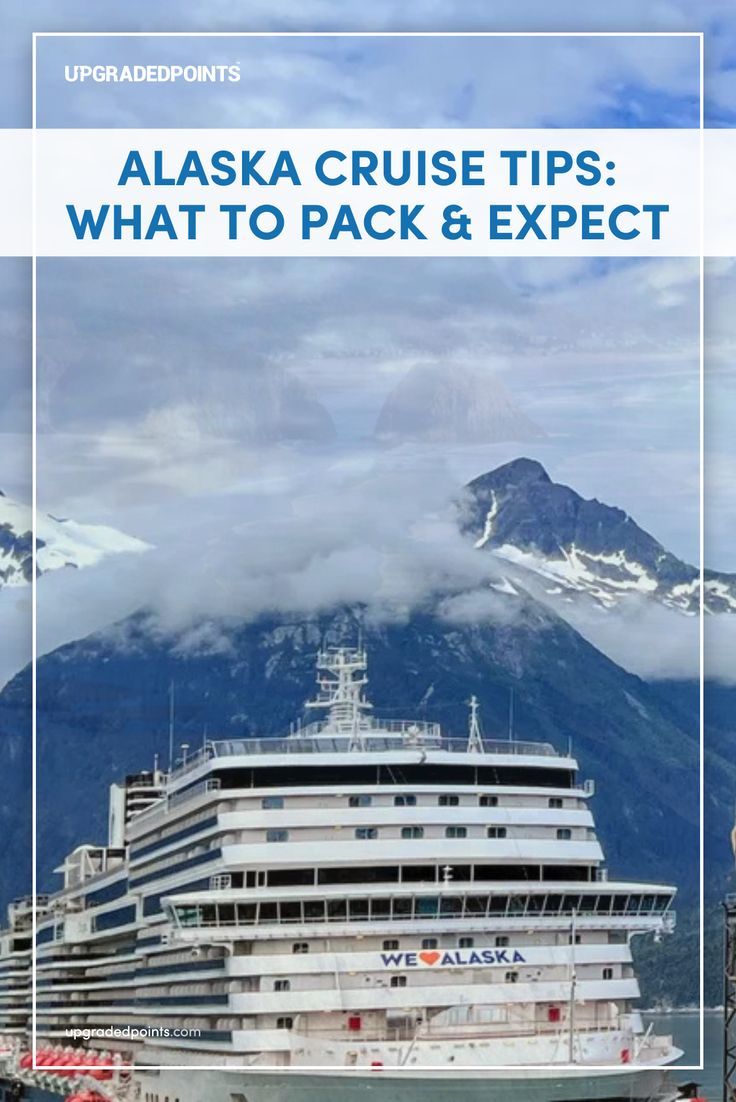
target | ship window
[
  {"x": 448, "y": 801},
  {"x": 564, "y": 834},
  {"x": 280, "y": 878},
  {"x": 476, "y": 904},
  {"x": 554, "y": 902},
  {"x": 380, "y": 908},
  {"x": 451, "y": 906},
  {"x": 405, "y": 801},
  {"x": 608, "y": 973},
  {"x": 456, "y": 832},
  {"x": 284, "y": 1023},
  {"x": 358, "y": 909},
  {"x": 511, "y": 977},
  {"x": 555, "y": 801},
  {"x": 427, "y": 905},
  {"x": 282, "y": 985},
  {"x": 337, "y": 910},
  {"x": 412, "y": 832},
  {"x": 246, "y": 914},
  {"x": 488, "y": 801},
  {"x": 272, "y": 802},
  {"x": 518, "y": 904},
  {"x": 360, "y": 801},
  {"x": 390, "y": 943},
  {"x": 366, "y": 832},
  {"x": 501, "y": 941},
  {"x": 267, "y": 912},
  {"x": 314, "y": 910},
  {"x": 418, "y": 873},
  {"x": 499, "y": 904},
  {"x": 402, "y": 908},
  {"x": 290, "y": 912},
  {"x": 398, "y": 981},
  {"x": 277, "y": 836},
  {"x": 466, "y": 942},
  {"x": 356, "y": 874},
  {"x": 226, "y": 914},
  {"x": 209, "y": 915},
  {"x": 429, "y": 943},
  {"x": 496, "y": 832},
  {"x": 577, "y": 939},
  {"x": 300, "y": 947}
]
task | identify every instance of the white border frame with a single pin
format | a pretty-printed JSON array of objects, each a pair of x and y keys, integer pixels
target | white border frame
[{"x": 700, "y": 35}]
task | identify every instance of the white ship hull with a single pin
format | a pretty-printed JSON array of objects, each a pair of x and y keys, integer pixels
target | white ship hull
[{"x": 525, "y": 1085}]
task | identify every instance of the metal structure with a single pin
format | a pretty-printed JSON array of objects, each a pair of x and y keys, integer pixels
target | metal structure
[{"x": 729, "y": 999}]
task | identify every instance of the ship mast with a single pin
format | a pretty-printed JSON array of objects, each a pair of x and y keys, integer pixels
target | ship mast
[
  {"x": 341, "y": 677},
  {"x": 573, "y": 985},
  {"x": 475, "y": 735}
]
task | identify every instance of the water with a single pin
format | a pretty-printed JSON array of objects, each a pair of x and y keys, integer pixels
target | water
[{"x": 685, "y": 1028}]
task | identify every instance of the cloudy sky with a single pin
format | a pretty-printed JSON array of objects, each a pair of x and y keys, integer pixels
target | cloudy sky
[{"x": 146, "y": 368}]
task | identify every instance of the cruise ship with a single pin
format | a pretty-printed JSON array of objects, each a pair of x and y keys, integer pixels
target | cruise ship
[{"x": 363, "y": 910}]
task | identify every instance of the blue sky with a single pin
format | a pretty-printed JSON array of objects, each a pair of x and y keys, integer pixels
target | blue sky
[{"x": 714, "y": 17}]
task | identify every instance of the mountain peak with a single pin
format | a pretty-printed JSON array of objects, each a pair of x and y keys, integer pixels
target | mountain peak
[
  {"x": 579, "y": 546},
  {"x": 516, "y": 473}
]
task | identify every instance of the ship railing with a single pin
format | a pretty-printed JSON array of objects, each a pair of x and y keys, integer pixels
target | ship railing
[
  {"x": 491, "y": 1031},
  {"x": 212, "y": 784},
  {"x": 388, "y": 736}
]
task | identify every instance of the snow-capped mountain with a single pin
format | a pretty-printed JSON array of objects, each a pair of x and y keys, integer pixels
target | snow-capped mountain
[
  {"x": 462, "y": 404},
  {"x": 575, "y": 547},
  {"x": 58, "y": 543}
]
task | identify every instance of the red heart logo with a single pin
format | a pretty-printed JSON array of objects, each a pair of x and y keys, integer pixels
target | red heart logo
[{"x": 430, "y": 958}]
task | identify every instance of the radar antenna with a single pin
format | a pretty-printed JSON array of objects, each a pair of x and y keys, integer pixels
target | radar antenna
[{"x": 341, "y": 679}]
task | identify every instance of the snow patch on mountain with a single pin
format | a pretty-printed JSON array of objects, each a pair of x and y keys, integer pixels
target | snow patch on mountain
[
  {"x": 582, "y": 571},
  {"x": 59, "y": 543}
]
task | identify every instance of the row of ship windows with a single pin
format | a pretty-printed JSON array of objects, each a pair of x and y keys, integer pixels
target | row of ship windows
[
  {"x": 204, "y": 818},
  {"x": 563, "y": 834},
  {"x": 410, "y": 800},
  {"x": 407, "y": 873},
  {"x": 417, "y": 907},
  {"x": 201, "y": 822}
]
